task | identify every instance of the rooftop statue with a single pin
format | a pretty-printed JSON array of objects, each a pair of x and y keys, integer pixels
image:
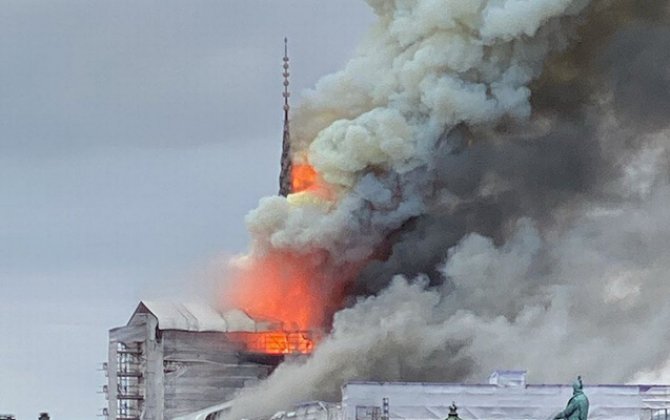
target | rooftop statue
[
  {"x": 578, "y": 405},
  {"x": 453, "y": 413}
]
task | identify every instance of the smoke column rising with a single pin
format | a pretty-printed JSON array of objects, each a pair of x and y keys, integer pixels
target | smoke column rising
[{"x": 500, "y": 183}]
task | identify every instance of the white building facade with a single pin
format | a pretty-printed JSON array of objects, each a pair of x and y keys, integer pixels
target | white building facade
[
  {"x": 516, "y": 401},
  {"x": 507, "y": 396},
  {"x": 171, "y": 359}
]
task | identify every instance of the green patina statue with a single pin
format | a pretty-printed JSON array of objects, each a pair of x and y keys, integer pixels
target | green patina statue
[{"x": 578, "y": 406}]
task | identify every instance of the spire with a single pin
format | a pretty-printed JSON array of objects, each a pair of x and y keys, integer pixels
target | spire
[
  {"x": 285, "y": 174},
  {"x": 286, "y": 93}
]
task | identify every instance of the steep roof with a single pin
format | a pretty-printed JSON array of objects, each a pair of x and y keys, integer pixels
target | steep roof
[{"x": 194, "y": 316}]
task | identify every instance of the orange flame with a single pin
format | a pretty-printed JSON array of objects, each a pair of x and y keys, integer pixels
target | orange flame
[
  {"x": 298, "y": 293},
  {"x": 298, "y": 290},
  {"x": 280, "y": 286},
  {"x": 277, "y": 342},
  {"x": 303, "y": 178}
]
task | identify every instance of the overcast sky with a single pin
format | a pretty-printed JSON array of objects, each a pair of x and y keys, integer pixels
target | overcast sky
[{"x": 134, "y": 137}]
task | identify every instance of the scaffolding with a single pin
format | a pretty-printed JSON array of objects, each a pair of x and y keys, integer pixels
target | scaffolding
[{"x": 129, "y": 381}]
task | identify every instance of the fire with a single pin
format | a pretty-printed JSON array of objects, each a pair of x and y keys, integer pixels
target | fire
[
  {"x": 295, "y": 291},
  {"x": 307, "y": 187},
  {"x": 277, "y": 342},
  {"x": 303, "y": 178},
  {"x": 286, "y": 293},
  {"x": 281, "y": 287}
]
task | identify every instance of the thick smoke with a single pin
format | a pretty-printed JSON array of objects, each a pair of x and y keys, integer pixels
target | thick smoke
[{"x": 502, "y": 166}]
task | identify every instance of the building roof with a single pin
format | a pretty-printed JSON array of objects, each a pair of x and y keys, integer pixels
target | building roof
[
  {"x": 199, "y": 317},
  {"x": 202, "y": 414}
]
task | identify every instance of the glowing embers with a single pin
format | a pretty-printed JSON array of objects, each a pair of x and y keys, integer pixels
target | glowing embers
[{"x": 277, "y": 342}]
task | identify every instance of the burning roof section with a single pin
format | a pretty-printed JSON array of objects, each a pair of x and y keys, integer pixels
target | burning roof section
[{"x": 258, "y": 336}]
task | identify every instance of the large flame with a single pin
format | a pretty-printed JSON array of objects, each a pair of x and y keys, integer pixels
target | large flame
[
  {"x": 288, "y": 288},
  {"x": 280, "y": 286}
]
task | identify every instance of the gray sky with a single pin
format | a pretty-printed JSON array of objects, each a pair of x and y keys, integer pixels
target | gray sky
[{"x": 134, "y": 136}]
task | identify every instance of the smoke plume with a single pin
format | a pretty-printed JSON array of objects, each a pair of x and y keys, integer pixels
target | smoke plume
[{"x": 498, "y": 178}]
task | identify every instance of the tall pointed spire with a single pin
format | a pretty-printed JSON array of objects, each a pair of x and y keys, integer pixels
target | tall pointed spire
[
  {"x": 286, "y": 93},
  {"x": 285, "y": 174}
]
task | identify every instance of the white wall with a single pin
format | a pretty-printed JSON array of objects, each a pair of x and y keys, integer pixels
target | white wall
[{"x": 431, "y": 401}]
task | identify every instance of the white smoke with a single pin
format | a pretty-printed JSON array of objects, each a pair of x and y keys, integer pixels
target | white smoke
[
  {"x": 600, "y": 311},
  {"x": 426, "y": 67},
  {"x": 523, "y": 175}
]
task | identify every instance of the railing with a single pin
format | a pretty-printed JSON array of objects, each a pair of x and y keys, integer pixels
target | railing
[{"x": 657, "y": 414}]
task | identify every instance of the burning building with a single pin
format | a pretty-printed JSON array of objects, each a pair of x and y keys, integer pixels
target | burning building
[
  {"x": 484, "y": 183},
  {"x": 171, "y": 359}
]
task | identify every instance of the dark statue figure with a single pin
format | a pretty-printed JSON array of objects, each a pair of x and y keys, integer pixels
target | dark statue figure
[
  {"x": 453, "y": 413},
  {"x": 578, "y": 406}
]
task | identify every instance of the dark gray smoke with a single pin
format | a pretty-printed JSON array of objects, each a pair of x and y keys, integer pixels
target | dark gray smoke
[
  {"x": 527, "y": 226},
  {"x": 551, "y": 167}
]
